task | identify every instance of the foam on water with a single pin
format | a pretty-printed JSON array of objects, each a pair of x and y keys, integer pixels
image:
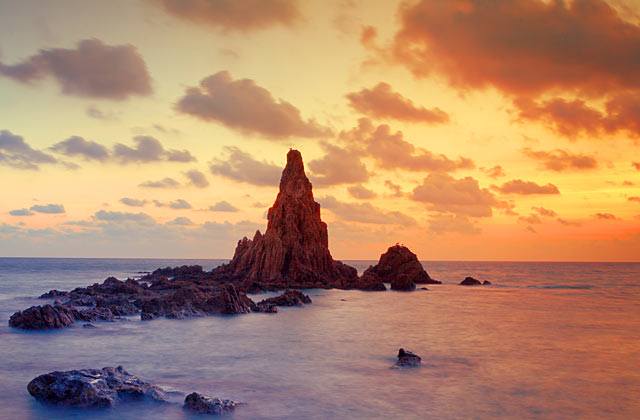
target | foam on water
[{"x": 557, "y": 340}]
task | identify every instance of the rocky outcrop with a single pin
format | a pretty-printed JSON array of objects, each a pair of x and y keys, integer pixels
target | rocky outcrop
[
  {"x": 470, "y": 281},
  {"x": 400, "y": 267},
  {"x": 203, "y": 404},
  {"x": 288, "y": 298},
  {"x": 43, "y": 318},
  {"x": 293, "y": 252},
  {"x": 408, "y": 359},
  {"x": 94, "y": 388},
  {"x": 370, "y": 282},
  {"x": 486, "y": 283}
]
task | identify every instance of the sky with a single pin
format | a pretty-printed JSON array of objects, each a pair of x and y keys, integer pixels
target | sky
[{"x": 464, "y": 129}]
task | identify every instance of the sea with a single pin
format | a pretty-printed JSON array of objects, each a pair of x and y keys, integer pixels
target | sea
[{"x": 545, "y": 340}]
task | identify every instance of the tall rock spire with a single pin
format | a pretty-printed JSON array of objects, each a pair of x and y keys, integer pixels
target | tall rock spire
[{"x": 294, "y": 250}]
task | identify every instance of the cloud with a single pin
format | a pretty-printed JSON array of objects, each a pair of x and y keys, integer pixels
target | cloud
[
  {"x": 21, "y": 212},
  {"x": 518, "y": 186},
  {"x": 495, "y": 172},
  {"x": 635, "y": 199},
  {"x": 223, "y": 206},
  {"x": 162, "y": 183},
  {"x": 241, "y": 166},
  {"x": 606, "y": 216},
  {"x": 364, "y": 212},
  {"x": 98, "y": 114},
  {"x": 149, "y": 149},
  {"x": 181, "y": 221},
  {"x": 560, "y": 160},
  {"x": 391, "y": 151},
  {"x": 565, "y": 222},
  {"x": 396, "y": 190},
  {"x": 92, "y": 69},
  {"x": 48, "y": 208},
  {"x": 532, "y": 219},
  {"x": 337, "y": 166},
  {"x": 197, "y": 178},
  {"x": 361, "y": 192},
  {"x": 16, "y": 153},
  {"x": 178, "y": 204},
  {"x": 523, "y": 47},
  {"x": 231, "y": 15},
  {"x": 382, "y": 102},
  {"x": 636, "y": 165},
  {"x": 448, "y": 223},
  {"x": 544, "y": 212},
  {"x": 443, "y": 193},
  {"x": 133, "y": 202},
  {"x": 243, "y": 105},
  {"x": 76, "y": 146},
  {"x": 120, "y": 216}
]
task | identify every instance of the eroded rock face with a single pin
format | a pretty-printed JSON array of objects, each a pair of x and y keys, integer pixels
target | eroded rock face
[
  {"x": 399, "y": 262},
  {"x": 408, "y": 359},
  {"x": 203, "y": 404},
  {"x": 43, "y": 317},
  {"x": 92, "y": 388},
  {"x": 288, "y": 298},
  {"x": 294, "y": 251}
]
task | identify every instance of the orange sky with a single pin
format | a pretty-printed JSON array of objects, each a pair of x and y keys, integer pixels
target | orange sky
[{"x": 465, "y": 129}]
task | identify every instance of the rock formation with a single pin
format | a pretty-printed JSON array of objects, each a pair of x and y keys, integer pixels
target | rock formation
[
  {"x": 42, "y": 318},
  {"x": 92, "y": 388},
  {"x": 400, "y": 267},
  {"x": 408, "y": 359},
  {"x": 294, "y": 250},
  {"x": 470, "y": 281},
  {"x": 289, "y": 298},
  {"x": 203, "y": 404}
]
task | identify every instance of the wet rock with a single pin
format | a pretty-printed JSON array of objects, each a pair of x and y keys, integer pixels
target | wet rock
[
  {"x": 43, "y": 317},
  {"x": 370, "y": 282},
  {"x": 288, "y": 298},
  {"x": 486, "y": 283},
  {"x": 268, "y": 308},
  {"x": 408, "y": 359},
  {"x": 294, "y": 251},
  {"x": 396, "y": 262},
  {"x": 88, "y": 326},
  {"x": 470, "y": 281},
  {"x": 184, "y": 272},
  {"x": 203, "y": 404},
  {"x": 403, "y": 283},
  {"x": 53, "y": 294},
  {"x": 423, "y": 288},
  {"x": 93, "y": 314},
  {"x": 92, "y": 388}
]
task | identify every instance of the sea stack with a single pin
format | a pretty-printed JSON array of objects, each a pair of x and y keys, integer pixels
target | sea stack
[
  {"x": 400, "y": 267},
  {"x": 294, "y": 250}
]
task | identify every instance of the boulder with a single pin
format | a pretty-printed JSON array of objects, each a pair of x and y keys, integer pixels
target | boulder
[
  {"x": 399, "y": 261},
  {"x": 403, "y": 283},
  {"x": 470, "y": 281},
  {"x": 288, "y": 298},
  {"x": 43, "y": 317},
  {"x": 203, "y": 404},
  {"x": 486, "y": 283},
  {"x": 408, "y": 359},
  {"x": 94, "y": 388}
]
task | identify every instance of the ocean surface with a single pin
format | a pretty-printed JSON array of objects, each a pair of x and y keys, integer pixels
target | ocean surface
[{"x": 547, "y": 340}]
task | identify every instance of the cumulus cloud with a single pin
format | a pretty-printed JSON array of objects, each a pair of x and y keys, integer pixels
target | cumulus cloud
[
  {"x": 149, "y": 149},
  {"x": 544, "y": 212},
  {"x": 452, "y": 223},
  {"x": 364, "y": 212},
  {"x": 178, "y": 204},
  {"x": 361, "y": 192},
  {"x": 243, "y": 105},
  {"x": 223, "y": 206},
  {"x": 162, "y": 183},
  {"x": 120, "y": 216},
  {"x": 494, "y": 172},
  {"x": 92, "y": 69},
  {"x": 181, "y": 221},
  {"x": 391, "y": 151},
  {"x": 382, "y": 102},
  {"x": 48, "y": 208},
  {"x": 21, "y": 212},
  {"x": 17, "y": 153},
  {"x": 337, "y": 166},
  {"x": 443, "y": 193},
  {"x": 241, "y": 166},
  {"x": 231, "y": 15},
  {"x": 518, "y": 186},
  {"x": 133, "y": 202},
  {"x": 76, "y": 146},
  {"x": 197, "y": 178},
  {"x": 560, "y": 160}
]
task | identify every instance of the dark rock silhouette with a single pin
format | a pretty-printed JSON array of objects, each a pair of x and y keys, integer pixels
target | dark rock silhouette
[
  {"x": 92, "y": 388},
  {"x": 408, "y": 359},
  {"x": 294, "y": 250},
  {"x": 486, "y": 283},
  {"x": 370, "y": 282},
  {"x": 470, "y": 281},
  {"x": 400, "y": 267},
  {"x": 203, "y": 404},
  {"x": 288, "y": 298},
  {"x": 43, "y": 318}
]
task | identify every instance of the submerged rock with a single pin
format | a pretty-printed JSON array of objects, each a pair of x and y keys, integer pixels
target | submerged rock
[
  {"x": 470, "y": 281},
  {"x": 398, "y": 262},
  {"x": 486, "y": 283},
  {"x": 43, "y": 317},
  {"x": 92, "y": 388},
  {"x": 288, "y": 298},
  {"x": 294, "y": 250},
  {"x": 203, "y": 404},
  {"x": 408, "y": 359}
]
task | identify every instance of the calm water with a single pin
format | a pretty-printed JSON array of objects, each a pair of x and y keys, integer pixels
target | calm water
[{"x": 548, "y": 340}]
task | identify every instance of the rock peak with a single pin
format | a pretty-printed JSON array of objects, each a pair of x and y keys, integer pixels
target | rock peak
[{"x": 294, "y": 181}]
